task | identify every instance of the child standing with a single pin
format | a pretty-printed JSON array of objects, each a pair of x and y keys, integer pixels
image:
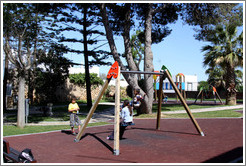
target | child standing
[
  {"x": 73, "y": 108},
  {"x": 126, "y": 116}
]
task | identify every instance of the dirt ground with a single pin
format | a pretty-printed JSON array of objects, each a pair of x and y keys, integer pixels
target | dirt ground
[{"x": 176, "y": 142}]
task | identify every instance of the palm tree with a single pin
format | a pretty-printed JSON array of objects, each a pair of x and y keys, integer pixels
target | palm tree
[
  {"x": 216, "y": 77},
  {"x": 225, "y": 52}
]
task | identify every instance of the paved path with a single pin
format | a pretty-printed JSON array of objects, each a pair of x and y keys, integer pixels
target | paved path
[{"x": 205, "y": 109}]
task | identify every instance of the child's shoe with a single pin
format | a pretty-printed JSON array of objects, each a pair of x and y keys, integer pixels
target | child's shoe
[{"x": 109, "y": 138}]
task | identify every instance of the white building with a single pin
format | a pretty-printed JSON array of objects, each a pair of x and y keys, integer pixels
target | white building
[
  {"x": 123, "y": 82},
  {"x": 81, "y": 69},
  {"x": 191, "y": 84}
]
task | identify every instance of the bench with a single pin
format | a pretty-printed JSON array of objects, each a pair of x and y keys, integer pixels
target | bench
[{"x": 10, "y": 154}]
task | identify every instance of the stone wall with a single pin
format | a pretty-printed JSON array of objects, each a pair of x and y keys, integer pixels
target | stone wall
[{"x": 69, "y": 90}]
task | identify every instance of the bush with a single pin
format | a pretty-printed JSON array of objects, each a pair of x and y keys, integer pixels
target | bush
[{"x": 79, "y": 79}]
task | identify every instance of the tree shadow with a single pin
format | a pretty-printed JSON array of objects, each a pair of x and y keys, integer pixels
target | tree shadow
[
  {"x": 227, "y": 157},
  {"x": 107, "y": 159}
]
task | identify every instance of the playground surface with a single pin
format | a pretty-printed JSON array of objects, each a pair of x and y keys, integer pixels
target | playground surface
[{"x": 176, "y": 142}]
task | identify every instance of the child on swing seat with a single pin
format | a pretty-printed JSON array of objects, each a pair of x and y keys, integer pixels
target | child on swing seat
[
  {"x": 126, "y": 115},
  {"x": 74, "y": 119}
]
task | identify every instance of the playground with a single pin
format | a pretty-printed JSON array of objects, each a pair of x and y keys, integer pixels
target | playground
[
  {"x": 159, "y": 140},
  {"x": 177, "y": 141}
]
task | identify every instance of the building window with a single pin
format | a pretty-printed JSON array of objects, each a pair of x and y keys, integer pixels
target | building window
[
  {"x": 189, "y": 86},
  {"x": 166, "y": 85}
]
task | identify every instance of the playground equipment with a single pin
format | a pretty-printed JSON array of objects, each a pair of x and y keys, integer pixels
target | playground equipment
[
  {"x": 215, "y": 93},
  {"x": 155, "y": 78},
  {"x": 115, "y": 73},
  {"x": 180, "y": 82}
]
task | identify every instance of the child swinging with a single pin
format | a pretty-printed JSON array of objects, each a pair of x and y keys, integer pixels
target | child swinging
[{"x": 126, "y": 115}]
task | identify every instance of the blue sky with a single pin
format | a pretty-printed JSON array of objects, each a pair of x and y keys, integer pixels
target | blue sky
[{"x": 179, "y": 52}]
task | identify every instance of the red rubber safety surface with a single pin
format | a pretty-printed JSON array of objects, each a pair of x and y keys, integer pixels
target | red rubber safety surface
[{"x": 176, "y": 142}]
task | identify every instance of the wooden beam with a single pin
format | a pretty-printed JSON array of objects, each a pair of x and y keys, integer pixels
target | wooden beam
[
  {"x": 117, "y": 116},
  {"x": 140, "y": 72},
  {"x": 184, "y": 104},
  {"x": 92, "y": 110},
  {"x": 159, "y": 103},
  {"x": 218, "y": 97}
]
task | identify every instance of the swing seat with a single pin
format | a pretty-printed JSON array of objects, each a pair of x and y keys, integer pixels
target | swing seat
[{"x": 125, "y": 124}]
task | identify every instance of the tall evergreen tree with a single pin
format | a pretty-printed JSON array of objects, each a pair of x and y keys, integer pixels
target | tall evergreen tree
[{"x": 82, "y": 18}]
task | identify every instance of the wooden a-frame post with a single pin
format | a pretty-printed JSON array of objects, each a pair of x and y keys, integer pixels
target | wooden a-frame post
[
  {"x": 159, "y": 102},
  {"x": 184, "y": 103},
  {"x": 216, "y": 93},
  {"x": 112, "y": 73},
  {"x": 117, "y": 116},
  {"x": 200, "y": 92},
  {"x": 92, "y": 110}
]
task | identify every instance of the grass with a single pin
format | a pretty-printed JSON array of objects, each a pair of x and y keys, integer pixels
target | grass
[
  {"x": 9, "y": 130},
  {"x": 176, "y": 107}
]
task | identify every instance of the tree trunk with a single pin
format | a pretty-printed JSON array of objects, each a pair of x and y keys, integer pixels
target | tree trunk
[
  {"x": 6, "y": 71},
  {"x": 231, "y": 92},
  {"x": 131, "y": 79},
  {"x": 127, "y": 40},
  {"x": 87, "y": 72},
  {"x": 148, "y": 63},
  {"x": 21, "y": 103},
  {"x": 32, "y": 74}
]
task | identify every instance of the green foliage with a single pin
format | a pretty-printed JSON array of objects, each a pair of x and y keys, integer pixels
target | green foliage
[
  {"x": 204, "y": 85},
  {"x": 80, "y": 79},
  {"x": 239, "y": 88},
  {"x": 207, "y": 15},
  {"x": 167, "y": 13},
  {"x": 54, "y": 73}
]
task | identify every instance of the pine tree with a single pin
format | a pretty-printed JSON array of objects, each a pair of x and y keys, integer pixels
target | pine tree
[{"x": 82, "y": 19}]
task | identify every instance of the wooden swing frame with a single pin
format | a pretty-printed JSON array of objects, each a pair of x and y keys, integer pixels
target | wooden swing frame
[{"x": 115, "y": 72}]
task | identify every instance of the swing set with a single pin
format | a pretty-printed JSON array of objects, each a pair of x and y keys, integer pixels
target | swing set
[
  {"x": 115, "y": 72},
  {"x": 204, "y": 91}
]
